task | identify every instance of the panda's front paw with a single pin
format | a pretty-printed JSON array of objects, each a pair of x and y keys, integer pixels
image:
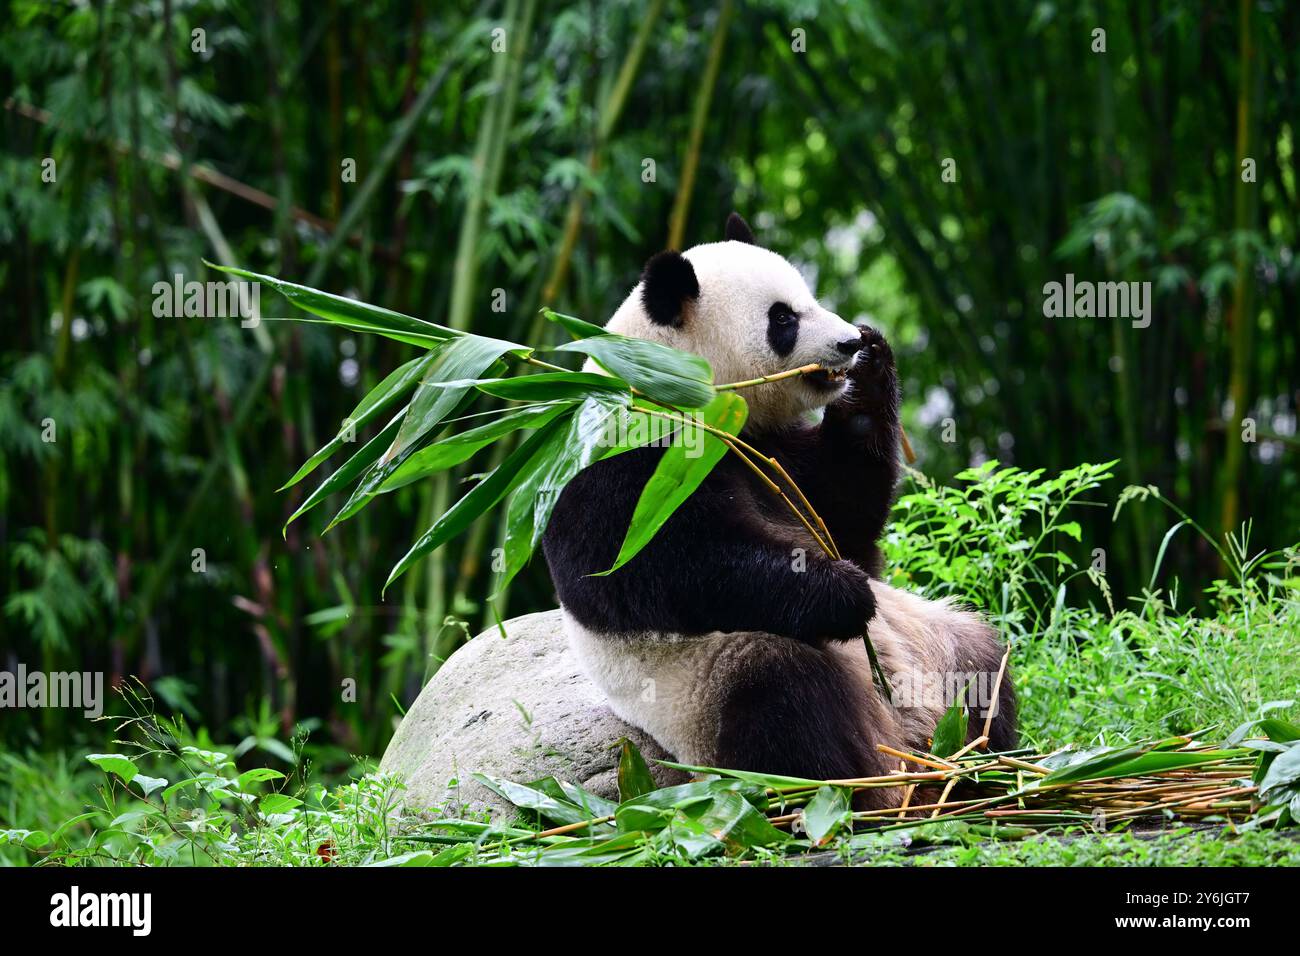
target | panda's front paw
[
  {"x": 840, "y": 608},
  {"x": 873, "y": 375}
]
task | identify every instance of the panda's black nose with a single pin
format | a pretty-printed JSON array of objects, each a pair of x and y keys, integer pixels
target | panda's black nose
[{"x": 849, "y": 346}]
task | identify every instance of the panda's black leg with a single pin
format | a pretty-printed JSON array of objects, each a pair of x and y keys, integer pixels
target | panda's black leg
[{"x": 792, "y": 709}]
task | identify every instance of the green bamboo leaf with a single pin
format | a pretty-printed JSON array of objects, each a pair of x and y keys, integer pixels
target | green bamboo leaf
[
  {"x": 1279, "y": 731},
  {"x": 590, "y": 804},
  {"x": 543, "y": 387},
  {"x": 467, "y": 357},
  {"x": 1131, "y": 762},
  {"x": 749, "y": 776},
  {"x": 377, "y": 399},
  {"x": 678, "y": 474},
  {"x": 639, "y": 818},
  {"x": 826, "y": 813},
  {"x": 633, "y": 775},
  {"x": 737, "y": 825},
  {"x": 406, "y": 338},
  {"x": 697, "y": 792},
  {"x": 950, "y": 732},
  {"x": 366, "y": 456},
  {"x": 578, "y": 328},
  {"x": 586, "y": 438},
  {"x": 478, "y": 500},
  {"x": 662, "y": 373},
  {"x": 551, "y": 386},
  {"x": 1282, "y": 773},
  {"x": 359, "y": 316},
  {"x": 687, "y": 836},
  {"x": 526, "y": 797},
  {"x": 462, "y": 446}
]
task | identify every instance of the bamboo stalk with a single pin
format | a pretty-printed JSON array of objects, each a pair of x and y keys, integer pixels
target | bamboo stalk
[
  {"x": 952, "y": 782},
  {"x": 610, "y": 114},
  {"x": 929, "y": 761},
  {"x": 997, "y": 689},
  {"x": 682, "y": 201}
]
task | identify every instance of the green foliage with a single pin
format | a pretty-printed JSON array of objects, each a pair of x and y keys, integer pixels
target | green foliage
[
  {"x": 998, "y": 540},
  {"x": 1008, "y": 542}
]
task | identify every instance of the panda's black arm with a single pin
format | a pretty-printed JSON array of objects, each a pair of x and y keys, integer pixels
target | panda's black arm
[
  {"x": 711, "y": 567},
  {"x": 848, "y": 465}
]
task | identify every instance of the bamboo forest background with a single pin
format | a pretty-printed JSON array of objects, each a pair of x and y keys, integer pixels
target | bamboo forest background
[{"x": 145, "y": 539}]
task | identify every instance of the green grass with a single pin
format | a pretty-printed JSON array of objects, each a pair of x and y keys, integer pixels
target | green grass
[
  {"x": 1177, "y": 846},
  {"x": 1088, "y": 672}
]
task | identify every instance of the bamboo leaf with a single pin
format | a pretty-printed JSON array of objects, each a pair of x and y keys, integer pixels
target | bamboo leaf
[
  {"x": 664, "y": 374},
  {"x": 950, "y": 732},
  {"x": 467, "y": 357},
  {"x": 341, "y": 310},
  {"x": 578, "y": 328},
  {"x": 478, "y": 500},
  {"x": 406, "y": 338},
  {"x": 350, "y": 469},
  {"x": 1130, "y": 762},
  {"x": 589, "y": 803},
  {"x": 585, "y": 439},
  {"x": 633, "y": 774},
  {"x": 551, "y": 386},
  {"x": 525, "y": 797},
  {"x": 678, "y": 474},
  {"x": 826, "y": 813},
  {"x": 377, "y": 399},
  {"x": 749, "y": 776},
  {"x": 462, "y": 446},
  {"x": 737, "y": 825}
]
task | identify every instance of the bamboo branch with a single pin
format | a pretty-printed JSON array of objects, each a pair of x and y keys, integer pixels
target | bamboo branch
[{"x": 682, "y": 202}]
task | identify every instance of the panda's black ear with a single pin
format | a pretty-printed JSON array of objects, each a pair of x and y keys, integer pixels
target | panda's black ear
[
  {"x": 668, "y": 282},
  {"x": 739, "y": 230}
]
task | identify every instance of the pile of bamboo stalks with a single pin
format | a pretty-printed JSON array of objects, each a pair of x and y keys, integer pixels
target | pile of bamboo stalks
[{"x": 1176, "y": 778}]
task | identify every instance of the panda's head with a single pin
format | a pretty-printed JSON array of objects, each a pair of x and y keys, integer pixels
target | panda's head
[{"x": 749, "y": 313}]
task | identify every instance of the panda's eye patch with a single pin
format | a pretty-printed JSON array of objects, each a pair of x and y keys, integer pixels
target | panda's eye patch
[
  {"x": 781, "y": 314},
  {"x": 782, "y": 328}
]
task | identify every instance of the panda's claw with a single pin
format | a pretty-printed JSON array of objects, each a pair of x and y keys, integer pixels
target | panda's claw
[
  {"x": 875, "y": 351},
  {"x": 874, "y": 378}
]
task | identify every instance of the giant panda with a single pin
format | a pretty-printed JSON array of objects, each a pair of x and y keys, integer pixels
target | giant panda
[{"x": 730, "y": 638}]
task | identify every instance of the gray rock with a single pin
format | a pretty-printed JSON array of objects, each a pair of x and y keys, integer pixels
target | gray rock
[{"x": 517, "y": 707}]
